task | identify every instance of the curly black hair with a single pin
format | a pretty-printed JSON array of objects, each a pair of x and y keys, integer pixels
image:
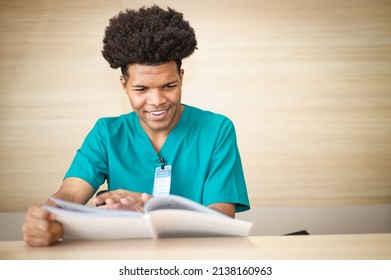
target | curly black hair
[{"x": 149, "y": 36}]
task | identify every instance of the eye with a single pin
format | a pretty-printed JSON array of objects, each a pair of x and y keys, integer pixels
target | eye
[
  {"x": 140, "y": 89},
  {"x": 170, "y": 86}
]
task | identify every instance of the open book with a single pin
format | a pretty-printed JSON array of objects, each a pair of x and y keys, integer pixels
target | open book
[{"x": 164, "y": 216}]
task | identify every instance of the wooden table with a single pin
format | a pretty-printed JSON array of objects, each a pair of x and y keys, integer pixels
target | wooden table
[{"x": 312, "y": 247}]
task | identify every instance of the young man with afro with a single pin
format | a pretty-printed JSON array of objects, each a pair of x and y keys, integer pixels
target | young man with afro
[{"x": 198, "y": 147}]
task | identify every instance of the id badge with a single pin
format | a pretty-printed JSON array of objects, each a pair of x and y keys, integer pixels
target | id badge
[{"x": 162, "y": 182}]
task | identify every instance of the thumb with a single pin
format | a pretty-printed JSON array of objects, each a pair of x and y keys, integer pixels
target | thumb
[{"x": 145, "y": 197}]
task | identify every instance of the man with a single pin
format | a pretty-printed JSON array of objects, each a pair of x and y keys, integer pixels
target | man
[{"x": 163, "y": 146}]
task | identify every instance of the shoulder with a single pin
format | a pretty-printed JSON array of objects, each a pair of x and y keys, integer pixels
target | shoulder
[
  {"x": 112, "y": 122},
  {"x": 115, "y": 124},
  {"x": 207, "y": 118}
]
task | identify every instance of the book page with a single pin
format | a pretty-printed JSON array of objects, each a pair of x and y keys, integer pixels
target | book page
[
  {"x": 170, "y": 216},
  {"x": 182, "y": 223},
  {"x": 76, "y": 207},
  {"x": 97, "y": 224},
  {"x": 178, "y": 202}
]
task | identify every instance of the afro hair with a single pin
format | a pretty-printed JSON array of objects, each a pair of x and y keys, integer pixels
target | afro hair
[{"x": 149, "y": 36}]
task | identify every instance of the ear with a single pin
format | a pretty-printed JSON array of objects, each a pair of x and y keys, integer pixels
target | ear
[
  {"x": 181, "y": 73},
  {"x": 124, "y": 82}
]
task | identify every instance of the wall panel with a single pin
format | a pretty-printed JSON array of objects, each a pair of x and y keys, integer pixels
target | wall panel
[{"x": 307, "y": 83}]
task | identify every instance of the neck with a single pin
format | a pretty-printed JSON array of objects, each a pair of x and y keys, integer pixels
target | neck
[
  {"x": 158, "y": 137},
  {"x": 158, "y": 141}
]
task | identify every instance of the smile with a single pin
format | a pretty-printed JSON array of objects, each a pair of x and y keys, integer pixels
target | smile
[{"x": 158, "y": 113}]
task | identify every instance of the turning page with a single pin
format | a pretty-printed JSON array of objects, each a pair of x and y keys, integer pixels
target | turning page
[
  {"x": 93, "y": 223},
  {"x": 165, "y": 216},
  {"x": 175, "y": 216}
]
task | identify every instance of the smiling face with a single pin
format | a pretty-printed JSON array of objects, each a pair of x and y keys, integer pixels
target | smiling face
[{"x": 154, "y": 93}]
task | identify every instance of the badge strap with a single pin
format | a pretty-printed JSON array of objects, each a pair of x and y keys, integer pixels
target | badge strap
[{"x": 162, "y": 182}]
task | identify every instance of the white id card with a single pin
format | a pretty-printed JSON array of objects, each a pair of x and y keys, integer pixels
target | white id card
[{"x": 162, "y": 182}]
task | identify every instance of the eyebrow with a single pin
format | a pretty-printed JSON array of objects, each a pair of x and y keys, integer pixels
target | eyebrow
[{"x": 166, "y": 84}]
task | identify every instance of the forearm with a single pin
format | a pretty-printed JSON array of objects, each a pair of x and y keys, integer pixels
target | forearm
[
  {"x": 74, "y": 190},
  {"x": 224, "y": 208}
]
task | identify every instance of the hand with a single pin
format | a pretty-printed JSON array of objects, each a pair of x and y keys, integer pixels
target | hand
[
  {"x": 40, "y": 227},
  {"x": 122, "y": 199}
]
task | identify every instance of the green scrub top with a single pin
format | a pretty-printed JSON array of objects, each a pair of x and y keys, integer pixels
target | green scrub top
[{"x": 201, "y": 149}]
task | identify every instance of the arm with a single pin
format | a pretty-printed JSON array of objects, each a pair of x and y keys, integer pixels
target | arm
[
  {"x": 225, "y": 208},
  {"x": 225, "y": 187},
  {"x": 74, "y": 190},
  {"x": 40, "y": 227}
]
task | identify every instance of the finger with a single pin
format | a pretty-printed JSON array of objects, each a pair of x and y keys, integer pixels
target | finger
[
  {"x": 122, "y": 199},
  {"x": 131, "y": 201},
  {"x": 37, "y": 211},
  {"x": 99, "y": 199},
  {"x": 125, "y": 201},
  {"x": 126, "y": 204},
  {"x": 102, "y": 196},
  {"x": 35, "y": 236},
  {"x": 111, "y": 204},
  {"x": 145, "y": 197},
  {"x": 39, "y": 241},
  {"x": 56, "y": 230},
  {"x": 35, "y": 225},
  {"x": 118, "y": 196}
]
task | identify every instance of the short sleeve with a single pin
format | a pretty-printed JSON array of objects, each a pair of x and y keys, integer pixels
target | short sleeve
[
  {"x": 90, "y": 162},
  {"x": 225, "y": 181}
]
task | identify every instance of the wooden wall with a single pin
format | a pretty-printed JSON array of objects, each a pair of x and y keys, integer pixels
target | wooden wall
[{"x": 307, "y": 83}]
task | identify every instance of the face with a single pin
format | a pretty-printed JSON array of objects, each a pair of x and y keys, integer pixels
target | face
[{"x": 155, "y": 95}]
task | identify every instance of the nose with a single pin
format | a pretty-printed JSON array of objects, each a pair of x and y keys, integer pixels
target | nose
[{"x": 156, "y": 97}]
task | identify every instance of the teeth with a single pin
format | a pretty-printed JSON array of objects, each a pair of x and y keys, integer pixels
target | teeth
[{"x": 156, "y": 113}]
